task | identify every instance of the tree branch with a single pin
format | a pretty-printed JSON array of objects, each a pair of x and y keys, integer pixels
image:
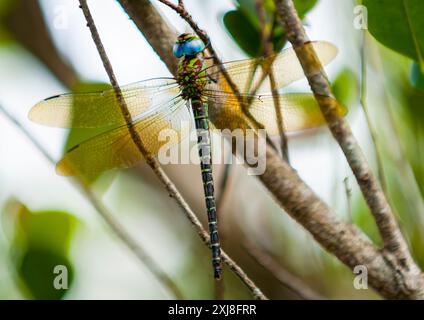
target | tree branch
[
  {"x": 341, "y": 239},
  {"x": 144, "y": 15},
  {"x": 34, "y": 32},
  {"x": 392, "y": 237},
  {"x": 152, "y": 162}
]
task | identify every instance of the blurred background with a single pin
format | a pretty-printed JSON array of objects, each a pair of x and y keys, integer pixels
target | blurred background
[{"x": 46, "y": 49}]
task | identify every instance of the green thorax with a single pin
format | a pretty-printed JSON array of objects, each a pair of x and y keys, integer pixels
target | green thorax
[{"x": 191, "y": 77}]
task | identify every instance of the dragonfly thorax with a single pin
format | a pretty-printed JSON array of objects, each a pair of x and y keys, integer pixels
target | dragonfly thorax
[{"x": 191, "y": 77}]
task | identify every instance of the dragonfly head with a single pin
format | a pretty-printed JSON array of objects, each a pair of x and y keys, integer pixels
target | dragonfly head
[{"x": 188, "y": 44}]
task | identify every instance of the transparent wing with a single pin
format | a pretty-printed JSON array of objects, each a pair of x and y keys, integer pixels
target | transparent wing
[
  {"x": 249, "y": 73},
  {"x": 101, "y": 109},
  {"x": 299, "y": 110},
  {"x": 116, "y": 149}
]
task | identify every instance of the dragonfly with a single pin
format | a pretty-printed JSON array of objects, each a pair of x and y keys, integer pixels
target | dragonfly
[{"x": 162, "y": 103}]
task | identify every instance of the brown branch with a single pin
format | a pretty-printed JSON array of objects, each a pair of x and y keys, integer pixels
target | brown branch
[
  {"x": 144, "y": 15},
  {"x": 107, "y": 216},
  {"x": 152, "y": 162},
  {"x": 393, "y": 239},
  {"x": 286, "y": 278},
  {"x": 25, "y": 22}
]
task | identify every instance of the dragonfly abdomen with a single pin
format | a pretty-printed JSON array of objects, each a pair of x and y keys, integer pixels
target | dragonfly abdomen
[{"x": 200, "y": 111}]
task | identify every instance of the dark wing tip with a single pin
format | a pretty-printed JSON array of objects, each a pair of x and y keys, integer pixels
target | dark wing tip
[{"x": 52, "y": 97}]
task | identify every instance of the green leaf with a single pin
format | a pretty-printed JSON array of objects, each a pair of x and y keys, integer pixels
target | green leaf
[
  {"x": 248, "y": 8},
  {"x": 346, "y": 87},
  {"x": 304, "y": 6},
  {"x": 415, "y": 107},
  {"x": 398, "y": 25},
  {"x": 40, "y": 242},
  {"x": 417, "y": 77},
  {"x": 47, "y": 229},
  {"x": 36, "y": 270},
  {"x": 278, "y": 38},
  {"x": 7, "y": 7},
  {"x": 246, "y": 35},
  {"x": 50, "y": 229},
  {"x": 244, "y": 26}
]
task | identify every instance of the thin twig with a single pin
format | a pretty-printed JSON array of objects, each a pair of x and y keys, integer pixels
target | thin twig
[
  {"x": 267, "y": 51},
  {"x": 204, "y": 235},
  {"x": 364, "y": 105},
  {"x": 108, "y": 217},
  {"x": 394, "y": 241},
  {"x": 348, "y": 193},
  {"x": 286, "y": 278},
  {"x": 152, "y": 162},
  {"x": 219, "y": 290}
]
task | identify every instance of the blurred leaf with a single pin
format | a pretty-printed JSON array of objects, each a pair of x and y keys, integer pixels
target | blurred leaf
[
  {"x": 415, "y": 107},
  {"x": 6, "y": 8},
  {"x": 36, "y": 271},
  {"x": 248, "y": 8},
  {"x": 398, "y": 25},
  {"x": 417, "y": 77},
  {"x": 304, "y": 6},
  {"x": 46, "y": 229},
  {"x": 244, "y": 26},
  {"x": 40, "y": 242},
  {"x": 246, "y": 35},
  {"x": 363, "y": 219},
  {"x": 278, "y": 38},
  {"x": 346, "y": 88},
  {"x": 415, "y": 143}
]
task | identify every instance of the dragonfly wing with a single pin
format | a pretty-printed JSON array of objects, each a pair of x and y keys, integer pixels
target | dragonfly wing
[
  {"x": 248, "y": 74},
  {"x": 116, "y": 149},
  {"x": 299, "y": 111},
  {"x": 101, "y": 109}
]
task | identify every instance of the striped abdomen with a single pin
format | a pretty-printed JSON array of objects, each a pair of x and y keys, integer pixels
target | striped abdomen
[{"x": 200, "y": 111}]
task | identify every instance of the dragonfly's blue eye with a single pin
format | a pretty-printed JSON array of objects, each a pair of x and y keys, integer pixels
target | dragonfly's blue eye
[
  {"x": 178, "y": 50},
  {"x": 193, "y": 47}
]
